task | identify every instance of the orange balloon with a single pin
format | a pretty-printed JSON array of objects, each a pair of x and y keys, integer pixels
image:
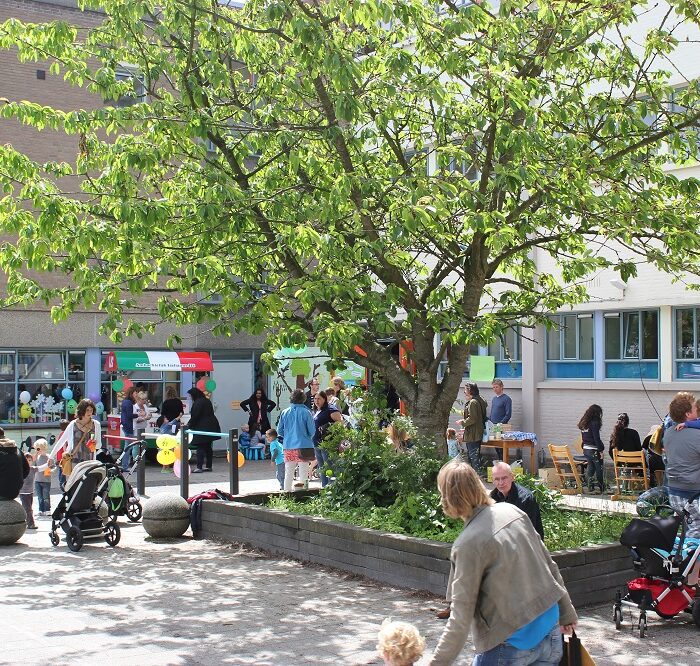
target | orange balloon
[
  {"x": 241, "y": 458},
  {"x": 177, "y": 452}
]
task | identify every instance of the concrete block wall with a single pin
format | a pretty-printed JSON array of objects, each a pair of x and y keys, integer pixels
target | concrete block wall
[{"x": 592, "y": 574}]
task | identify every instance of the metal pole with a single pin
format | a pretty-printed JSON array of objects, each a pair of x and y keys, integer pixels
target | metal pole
[
  {"x": 141, "y": 469},
  {"x": 184, "y": 464},
  {"x": 233, "y": 460}
]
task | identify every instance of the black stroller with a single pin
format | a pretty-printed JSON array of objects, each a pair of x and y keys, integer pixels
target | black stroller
[
  {"x": 117, "y": 493},
  {"x": 78, "y": 514},
  {"x": 670, "y": 566}
]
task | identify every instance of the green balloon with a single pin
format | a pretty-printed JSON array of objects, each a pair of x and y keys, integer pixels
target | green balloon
[
  {"x": 71, "y": 406},
  {"x": 118, "y": 384},
  {"x": 210, "y": 385}
]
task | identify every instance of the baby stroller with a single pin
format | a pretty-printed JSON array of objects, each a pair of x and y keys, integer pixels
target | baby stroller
[
  {"x": 670, "y": 567},
  {"x": 77, "y": 514},
  {"x": 115, "y": 490}
]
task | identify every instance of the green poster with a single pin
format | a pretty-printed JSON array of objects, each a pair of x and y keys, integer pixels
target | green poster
[{"x": 483, "y": 368}]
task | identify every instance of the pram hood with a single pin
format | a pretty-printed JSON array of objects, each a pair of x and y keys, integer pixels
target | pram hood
[
  {"x": 655, "y": 532},
  {"x": 93, "y": 467}
]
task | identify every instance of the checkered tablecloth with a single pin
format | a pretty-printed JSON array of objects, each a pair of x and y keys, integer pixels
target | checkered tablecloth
[{"x": 519, "y": 436}]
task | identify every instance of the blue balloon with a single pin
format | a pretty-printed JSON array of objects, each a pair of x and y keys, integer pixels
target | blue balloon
[
  {"x": 66, "y": 394},
  {"x": 100, "y": 408}
]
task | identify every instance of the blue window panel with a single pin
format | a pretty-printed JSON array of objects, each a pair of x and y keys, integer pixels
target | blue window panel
[
  {"x": 688, "y": 370},
  {"x": 631, "y": 370},
  {"x": 570, "y": 370},
  {"x": 507, "y": 370}
]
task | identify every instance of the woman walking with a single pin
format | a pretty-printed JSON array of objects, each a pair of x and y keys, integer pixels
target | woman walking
[
  {"x": 593, "y": 447},
  {"x": 326, "y": 415},
  {"x": 296, "y": 430},
  {"x": 202, "y": 417},
  {"x": 80, "y": 439}
]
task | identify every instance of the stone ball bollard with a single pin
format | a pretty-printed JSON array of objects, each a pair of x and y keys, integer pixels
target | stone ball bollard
[
  {"x": 13, "y": 522},
  {"x": 166, "y": 516}
]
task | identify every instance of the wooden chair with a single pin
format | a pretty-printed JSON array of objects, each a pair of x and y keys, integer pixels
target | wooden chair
[
  {"x": 567, "y": 469},
  {"x": 631, "y": 476}
]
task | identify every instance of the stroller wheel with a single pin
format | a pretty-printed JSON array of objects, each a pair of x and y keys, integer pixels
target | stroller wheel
[
  {"x": 134, "y": 511},
  {"x": 696, "y": 612},
  {"x": 112, "y": 534},
  {"x": 642, "y": 625},
  {"x": 55, "y": 540},
  {"x": 617, "y": 617},
  {"x": 74, "y": 539}
]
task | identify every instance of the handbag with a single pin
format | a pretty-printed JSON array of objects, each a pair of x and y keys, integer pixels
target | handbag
[
  {"x": 575, "y": 654},
  {"x": 307, "y": 454}
]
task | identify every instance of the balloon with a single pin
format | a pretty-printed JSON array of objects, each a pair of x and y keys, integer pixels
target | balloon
[
  {"x": 25, "y": 397},
  {"x": 66, "y": 394},
  {"x": 165, "y": 457},
  {"x": 99, "y": 408},
  {"x": 202, "y": 384},
  {"x": 127, "y": 383},
  {"x": 95, "y": 397},
  {"x": 210, "y": 385},
  {"x": 118, "y": 385},
  {"x": 177, "y": 468},
  {"x": 25, "y": 412},
  {"x": 167, "y": 442},
  {"x": 241, "y": 458},
  {"x": 71, "y": 406}
]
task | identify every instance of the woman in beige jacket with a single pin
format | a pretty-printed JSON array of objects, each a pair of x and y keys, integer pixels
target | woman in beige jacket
[{"x": 505, "y": 588}]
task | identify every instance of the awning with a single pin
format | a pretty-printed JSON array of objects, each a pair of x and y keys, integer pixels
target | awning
[{"x": 158, "y": 361}]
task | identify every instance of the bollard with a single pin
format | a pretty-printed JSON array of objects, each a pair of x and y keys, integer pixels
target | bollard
[
  {"x": 141, "y": 470},
  {"x": 184, "y": 464},
  {"x": 233, "y": 460}
]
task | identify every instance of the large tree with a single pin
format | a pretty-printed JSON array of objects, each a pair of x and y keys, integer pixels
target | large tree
[{"x": 353, "y": 173}]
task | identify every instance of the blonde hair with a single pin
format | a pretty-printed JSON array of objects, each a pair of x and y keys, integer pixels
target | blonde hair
[
  {"x": 399, "y": 643},
  {"x": 461, "y": 490},
  {"x": 41, "y": 445}
]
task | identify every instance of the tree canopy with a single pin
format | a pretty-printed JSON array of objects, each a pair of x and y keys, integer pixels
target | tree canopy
[{"x": 354, "y": 173}]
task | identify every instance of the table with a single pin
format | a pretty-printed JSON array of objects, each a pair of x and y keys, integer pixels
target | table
[{"x": 507, "y": 444}]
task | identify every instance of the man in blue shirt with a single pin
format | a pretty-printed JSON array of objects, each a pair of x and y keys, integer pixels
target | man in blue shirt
[{"x": 501, "y": 405}]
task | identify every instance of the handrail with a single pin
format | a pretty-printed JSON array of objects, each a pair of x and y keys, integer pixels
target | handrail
[
  {"x": 210, "y": 434},
  {"x": 185, "y": 435}
]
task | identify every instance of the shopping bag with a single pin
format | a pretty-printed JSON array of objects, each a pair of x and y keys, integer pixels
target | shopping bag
[{"x": 575, "y": 654}]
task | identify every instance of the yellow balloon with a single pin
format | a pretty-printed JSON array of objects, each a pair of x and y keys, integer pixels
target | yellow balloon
[
  {"x": 25, "y": 412},
  {"x": 167, "y": 442},
  {"x": 165, "y": 457}
]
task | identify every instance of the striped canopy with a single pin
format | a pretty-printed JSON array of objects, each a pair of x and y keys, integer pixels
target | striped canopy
[{"x": 158, "y": 361}]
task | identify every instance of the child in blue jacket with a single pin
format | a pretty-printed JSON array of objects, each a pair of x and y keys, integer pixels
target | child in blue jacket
[{"x": 277, "y": 455}]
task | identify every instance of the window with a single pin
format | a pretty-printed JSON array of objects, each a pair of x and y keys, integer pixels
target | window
[
  {"x": 632, "y": 344},
  {"x": 570, "y": 347},
  {"x": 138, "y": 93},
  {"x": 687, "y": 346},
  {"x": 507, "y": 353},
  {"x": 153, "y": 382},
  {"x": 44, "y": 375}
]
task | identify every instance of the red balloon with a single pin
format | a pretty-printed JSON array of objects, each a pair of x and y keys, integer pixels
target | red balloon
[
  {"x": 127, "y": 383},
  {"x": 202, "y": 384}
]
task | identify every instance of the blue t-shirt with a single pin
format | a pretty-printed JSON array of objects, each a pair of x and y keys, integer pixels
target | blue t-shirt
[
  {"x": 534, "y": 632},
  {"x": 276, "y": 452}
]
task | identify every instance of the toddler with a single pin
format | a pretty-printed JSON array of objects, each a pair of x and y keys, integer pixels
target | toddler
[
  {"x": 42, "y": 483},
  {"x": 26, "y": 494},
  {"x": 244, "y": 437},
  {"x": 277, "y": 455},
  {"x": 399, "y": 644},
  {"x": 452, "y": 445}
]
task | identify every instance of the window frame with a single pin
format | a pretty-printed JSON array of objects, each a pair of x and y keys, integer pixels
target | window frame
[{"x": 563, "y": 361}]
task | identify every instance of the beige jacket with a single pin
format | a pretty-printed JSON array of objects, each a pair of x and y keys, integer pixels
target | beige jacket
[{"x": 502, "y": 578}]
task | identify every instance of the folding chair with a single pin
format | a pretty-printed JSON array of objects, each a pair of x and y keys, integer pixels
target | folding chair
[
  {"x": 566, "y": 468},
  {"x": 631, "y": 476}
]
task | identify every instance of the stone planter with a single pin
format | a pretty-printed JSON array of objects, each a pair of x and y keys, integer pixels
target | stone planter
[
  {"x": 166, "y": 516},
  {"x": 592, "y": 574},
  {"x": 13, "y": 522}
]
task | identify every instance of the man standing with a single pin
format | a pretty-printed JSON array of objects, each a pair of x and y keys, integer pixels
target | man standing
[
  {"x": 501, "y": 405},
  {"x": 14, "y": 468},
  {"x": 507, "y": 490}
]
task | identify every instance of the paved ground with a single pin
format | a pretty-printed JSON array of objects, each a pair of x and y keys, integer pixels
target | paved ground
[{"x": 185, "y": 602}]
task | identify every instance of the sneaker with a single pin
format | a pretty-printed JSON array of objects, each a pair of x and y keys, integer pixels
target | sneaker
[
  {"x": 197, "y": 470},
  {"x": 207, "y": 469},
  {"x": 443, "y": 614},
  {"x": 32, "y": 527}
]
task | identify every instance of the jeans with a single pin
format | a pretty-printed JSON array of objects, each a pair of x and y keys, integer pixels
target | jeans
[
  {"x": 279, "y": 473},
  {"x": 678, "y": 499},
  {"x": 547, "y": 653},
  {"x": 43, "y": 494},
  {"x": 474, "y": 453},
  {"x": 289, "y": 468},
  {"x": 27, "y": 499},
  {"x": 595, "y": 466},
  {"x": 126, "y": 460},
  {"x": 322, "y": 460},
  {"x": 205, "y": 451}
]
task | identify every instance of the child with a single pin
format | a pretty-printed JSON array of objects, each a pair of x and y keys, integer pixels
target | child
[
  {"x": 26, "y": 494},
  {"x": 452, "y": 445},
  {"x": 277, "y": 455},
  {"x": 42, "y": 483},
  {"x": 244, "y": 437},
  {"x": 399, "y": 644}
]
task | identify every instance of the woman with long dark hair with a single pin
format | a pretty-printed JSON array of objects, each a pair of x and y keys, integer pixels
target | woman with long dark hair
[
  {"x": 324, "y": 417},
  {"x": 593, "y": 447},
  {"x": 473, "y": 422},
  {"x": 258, "y": 407},
  {"x": 202, "y": 417},
  {"x": 623, "y": 437}
]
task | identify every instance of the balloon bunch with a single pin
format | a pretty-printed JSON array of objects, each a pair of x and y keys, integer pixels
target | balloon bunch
[
  {"x": 169, "y": 452},
  {"x": 206, "y": 385}
]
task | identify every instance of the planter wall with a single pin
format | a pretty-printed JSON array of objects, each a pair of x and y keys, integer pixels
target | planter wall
[{"x": 592, "y": 574}]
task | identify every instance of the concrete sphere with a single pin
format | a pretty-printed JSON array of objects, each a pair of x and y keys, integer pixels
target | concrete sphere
[
  {"x": 13, "y": 522},
  {"x": 166, "y": 516}
]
